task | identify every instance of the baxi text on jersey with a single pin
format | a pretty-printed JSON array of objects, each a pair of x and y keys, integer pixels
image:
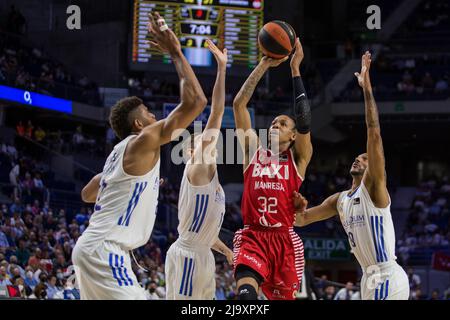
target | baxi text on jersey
[{"x": 273, "y": 171}]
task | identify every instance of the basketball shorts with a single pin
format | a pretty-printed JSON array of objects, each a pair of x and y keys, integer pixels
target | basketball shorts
[
  {"x": 190, "y": 272},
  {"x": 384, "y": 281},
  {"x": 276, "y": 254},
  {"x": 106, "y": 274}
]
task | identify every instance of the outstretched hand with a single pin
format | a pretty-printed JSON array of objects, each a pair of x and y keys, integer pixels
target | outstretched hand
[
  {"x": 364, "y": 76},
  {"x": 298, "y": 55},
  {"x": 164, "y": 39},
  {"x": 221, "y": 56}
]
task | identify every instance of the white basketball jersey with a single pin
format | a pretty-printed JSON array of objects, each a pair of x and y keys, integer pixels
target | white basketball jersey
[
  {"x": 370, "y": 230},
  {"x": 201, "y": 210},
  {"x": 125, "y": 209}
]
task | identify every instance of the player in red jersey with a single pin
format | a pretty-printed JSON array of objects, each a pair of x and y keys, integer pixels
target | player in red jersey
[{"x": 267, "y": 252}]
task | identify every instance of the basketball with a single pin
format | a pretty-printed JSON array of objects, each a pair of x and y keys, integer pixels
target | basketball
[{"x": 276, "y": 39}]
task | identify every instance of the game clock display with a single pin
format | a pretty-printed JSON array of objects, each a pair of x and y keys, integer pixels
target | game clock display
[{"x": 233, "y": 24}]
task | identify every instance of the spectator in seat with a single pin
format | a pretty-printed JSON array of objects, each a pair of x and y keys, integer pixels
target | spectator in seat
[
  {"x": 22, "y": 253},
  {"x": 345, "y": 293},
  {"x": 20, "y": 128},
  {"x": 81, "y": 217},
  {"x": 4, "y": 281},
  {"x": 27, "y": 185},
  {"x": 30, "y": 280},
  {"x": 52, "y": 290},
  {"x": 220, "y": 291},
  {"x": 4, "y": 243},
  {"x": 14, "y": 179},
  {"x": 414, "y": 279},
  {"x": 39, "y": 134},
  {"x": 435, "y": 295},
  {"x": 329, "y": 293},
  {"x": 40, "y": 292},
  {"x": 29, "y": 130}
]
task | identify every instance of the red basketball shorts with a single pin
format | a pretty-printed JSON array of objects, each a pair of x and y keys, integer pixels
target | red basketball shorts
[{"x": 276, "y": 254}]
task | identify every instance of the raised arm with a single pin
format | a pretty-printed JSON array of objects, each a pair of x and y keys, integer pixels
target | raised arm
[
  {"x": 324, "y": 211},
  {"x": 247, "y": 137},
  {"x": 212, "y": 128},
  {"x": 375, "y": 176},
  {"x": 204, "y": 158},
  {"x": 301, "y": 112},
  {"x": 193, "y": 99},
  {"x": 90, "y": 191}
]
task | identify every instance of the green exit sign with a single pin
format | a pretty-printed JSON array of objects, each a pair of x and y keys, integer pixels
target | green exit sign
[{"x": 326, "y": 249}]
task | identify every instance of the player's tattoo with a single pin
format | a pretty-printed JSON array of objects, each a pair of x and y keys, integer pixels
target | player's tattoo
[
  {"x": 250, "y": 84},
  {"x": 372, "y": 119}
]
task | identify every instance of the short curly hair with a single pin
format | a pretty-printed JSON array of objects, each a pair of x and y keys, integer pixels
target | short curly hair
[{"x": 119, "y": 118}]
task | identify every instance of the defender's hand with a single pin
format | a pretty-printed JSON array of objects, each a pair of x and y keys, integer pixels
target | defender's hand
[
  {"x": 364, "y": 76},
  {"x": 221, "y": 56},
  {"x": 164, "y": 40}
]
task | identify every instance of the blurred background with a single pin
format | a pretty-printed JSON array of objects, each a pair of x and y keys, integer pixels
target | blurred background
[{"x": 57, "y": 85}]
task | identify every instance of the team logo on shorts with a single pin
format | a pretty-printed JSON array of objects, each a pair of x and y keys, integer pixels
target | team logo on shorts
[{"x": 277, "y": 294}]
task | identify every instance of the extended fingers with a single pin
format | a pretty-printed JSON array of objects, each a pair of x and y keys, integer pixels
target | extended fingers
[
  {"x": 211, "y": 45},
  {"x": 153, "y": 24}
]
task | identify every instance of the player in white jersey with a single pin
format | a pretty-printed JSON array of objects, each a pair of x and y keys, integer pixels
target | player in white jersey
[
  {"x": 126, "y": 192},
  {"x": 365, "y": 211},
  {"x": 190, "y": 266}
]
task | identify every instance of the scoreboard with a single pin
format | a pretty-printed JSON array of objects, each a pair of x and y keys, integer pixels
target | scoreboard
[{"x": 231, "y": 24}]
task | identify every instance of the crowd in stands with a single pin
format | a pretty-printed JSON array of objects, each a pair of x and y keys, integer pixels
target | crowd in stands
[
  {"x": 65, "y": 142},
  {"x": 428, "y": 223},
  {"x": 29, "y": 68},
  {"x": 419, "y": 77},
  {"x": 25, "y": 174},
  {"x": 431, "y": 18}
]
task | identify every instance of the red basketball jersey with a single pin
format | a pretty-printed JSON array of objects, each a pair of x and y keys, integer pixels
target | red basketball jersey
[{"x": 269, "y": 184}]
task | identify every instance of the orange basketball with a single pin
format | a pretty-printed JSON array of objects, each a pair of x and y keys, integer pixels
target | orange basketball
[{"x": 276, "y": 39}]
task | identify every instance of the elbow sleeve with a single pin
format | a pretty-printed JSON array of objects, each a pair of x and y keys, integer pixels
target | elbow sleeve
[{"x": 302, "y": 108}]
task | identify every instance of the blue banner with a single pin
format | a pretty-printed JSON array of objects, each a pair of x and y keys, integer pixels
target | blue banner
[
  {"x": 35, "y": 99},
  {"x": 228, "y": 116}
]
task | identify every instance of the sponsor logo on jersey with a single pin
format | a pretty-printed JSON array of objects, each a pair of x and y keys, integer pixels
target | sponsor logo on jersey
[
  {"x": 352, "y": 220},
  {"x": 284, "y": 158},
  {"x": 272, "y": 171},
  {"x": 356, "y": 201}
]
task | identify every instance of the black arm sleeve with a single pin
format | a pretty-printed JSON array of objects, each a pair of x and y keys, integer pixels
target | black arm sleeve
[{"x": 302, "y": 109}]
